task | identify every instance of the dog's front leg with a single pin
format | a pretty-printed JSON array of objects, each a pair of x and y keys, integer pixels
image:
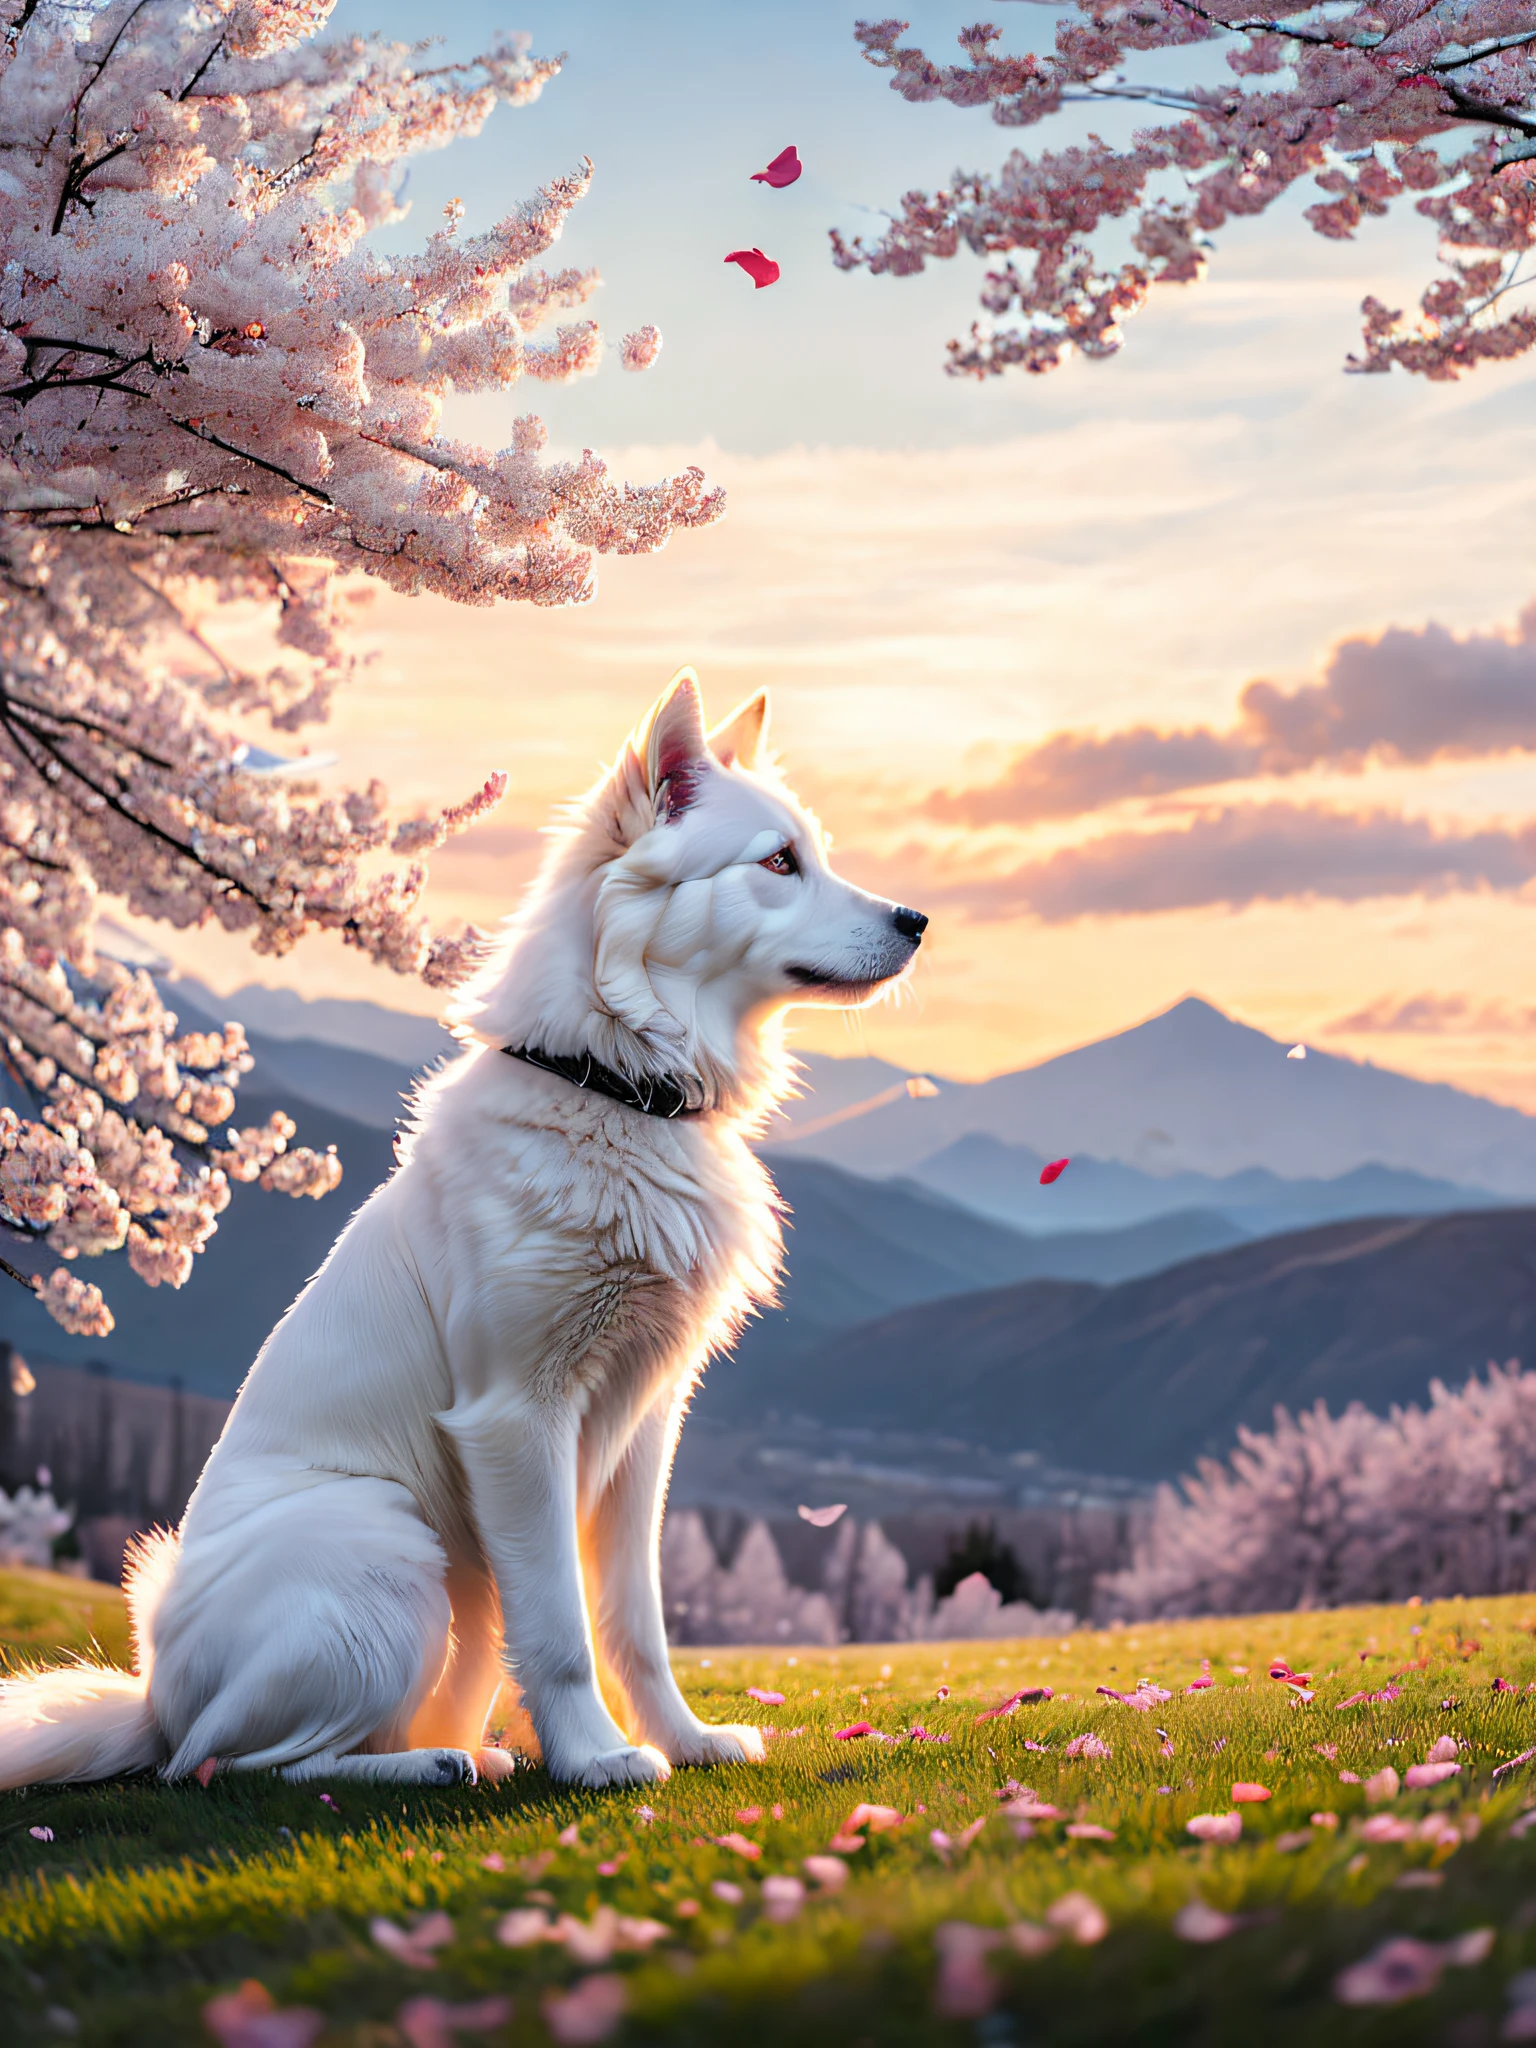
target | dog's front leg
[
  {"x": 519, "y": 1456},
  {"x": 624, "y": 1539}
]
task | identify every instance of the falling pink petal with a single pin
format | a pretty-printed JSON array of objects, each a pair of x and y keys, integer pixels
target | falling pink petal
[
  {"x": 589, "y": 2013},
  {"x": 327, "y": 1800},
  {"x": 853, "y": 1731},
  {"x": 760, "y": 268},
  {"x": 784, "y": 170},
  {"x": 1249, "y": 1795},
  {"x": 739, "y": 1845},
  {"x": 1053, "y": 1171},
  {"x": 429, "y": 2023},
  {"x": 763, "y": 1697},
  {"x": 822, "y": 1518},
  {"x": 41, "y": 1834},
  {"x": 248, "y": 2018}
]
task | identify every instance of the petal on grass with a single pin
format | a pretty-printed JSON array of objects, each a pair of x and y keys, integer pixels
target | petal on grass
[
  {"x": 966, "y": 1989},
  {"x": 782, "y": 1898},
  {"x": 739, "y": 1845},
  {"x": 764, "y": 1697},
  {"x": 1393, "y": 1972},
  {"x": 830, "y": 1872},
  {"x": 430, "y": 2023},
  {"x": 249, "y": 2018},
  {"x": 853, "y": 1731},
  {"x": 1215, "y": 1827},
  {"x": 591, "y": 2012},
  {"x": 1079, "y": 1918},
  {"x": 413, "y": 1946},
  {"x": 1199, "y": 1922},
  {"x": 1249, "y": 1795},
  {"x": 1421, "y": 1775}
]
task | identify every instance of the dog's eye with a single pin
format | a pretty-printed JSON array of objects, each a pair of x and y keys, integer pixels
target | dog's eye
[{"x": 781, "y": 863}]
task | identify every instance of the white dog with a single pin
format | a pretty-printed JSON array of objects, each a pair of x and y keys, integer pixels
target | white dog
[{"x": 448, "y": 1465}]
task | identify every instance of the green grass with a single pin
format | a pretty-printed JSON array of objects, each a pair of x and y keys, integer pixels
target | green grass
[{"x": 149, "y": 1899}]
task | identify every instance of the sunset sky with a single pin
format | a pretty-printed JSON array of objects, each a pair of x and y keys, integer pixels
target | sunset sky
[{"x": 983, "y": 613}]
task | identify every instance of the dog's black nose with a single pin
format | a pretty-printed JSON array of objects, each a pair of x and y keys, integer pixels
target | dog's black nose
[{"x": 910, "y": 923}]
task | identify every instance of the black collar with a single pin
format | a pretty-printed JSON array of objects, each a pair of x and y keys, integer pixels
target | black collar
[{"x": 658, "y": 1095}]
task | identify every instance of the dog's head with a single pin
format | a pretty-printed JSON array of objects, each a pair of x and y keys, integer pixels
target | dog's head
[{"x": 691, "y": 895}]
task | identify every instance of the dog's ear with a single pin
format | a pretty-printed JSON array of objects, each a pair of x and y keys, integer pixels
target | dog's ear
[
  {"x": 674, "y": 744},
  {"x": 738, "y": 740}
]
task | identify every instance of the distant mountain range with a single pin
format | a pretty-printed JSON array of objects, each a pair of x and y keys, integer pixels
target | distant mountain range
[
  {"x": 1143, "y": 1378},
  {"x": 1191, "y": 1091},
  {"x": 1003, "y": 1182},
  {"x": 960, "y": 1276}
]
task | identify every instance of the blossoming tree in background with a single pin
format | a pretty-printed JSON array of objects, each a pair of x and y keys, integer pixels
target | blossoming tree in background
[
  {"x": 213, "y": 390},
  {"x": 1431, "y": 102},
  {"x": 1327, "y": 1510}
]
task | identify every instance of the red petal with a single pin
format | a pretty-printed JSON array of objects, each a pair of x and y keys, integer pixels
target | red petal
[
  {"x": 1054, "y": 1171},
  {"x": 205, "y": 1771},
  {"x": 760, "y": 268},
  {"x": 784, "y": 170}
]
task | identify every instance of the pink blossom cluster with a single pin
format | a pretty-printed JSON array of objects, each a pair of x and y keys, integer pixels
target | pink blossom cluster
[
  {"x": 214, "y": 391},
  {"x": 1323, "y": 1510},
  {"x": 1374, "y": 103}
]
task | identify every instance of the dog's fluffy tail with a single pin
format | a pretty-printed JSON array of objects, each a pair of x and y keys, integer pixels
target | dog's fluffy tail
[{"x": 87, "y": 1721}]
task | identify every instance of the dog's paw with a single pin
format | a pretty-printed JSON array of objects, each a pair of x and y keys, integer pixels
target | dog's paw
[
  {"x": 494, "y": 1765},
  {"x": 637, "y": 1766},
  {"x": 738, "y": 1743},
  {"x": 448, "y": 1767}
]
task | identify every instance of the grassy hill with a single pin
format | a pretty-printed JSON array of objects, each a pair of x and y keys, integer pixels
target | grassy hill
[{"x": 149, "y": 1901}]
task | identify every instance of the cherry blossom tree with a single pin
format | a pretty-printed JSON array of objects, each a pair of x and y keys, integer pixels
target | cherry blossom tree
[
  {"x": 214, "y": 392},
  {"x": 1429, "y": 102},
  {"x": 1324, "y": 1510}
]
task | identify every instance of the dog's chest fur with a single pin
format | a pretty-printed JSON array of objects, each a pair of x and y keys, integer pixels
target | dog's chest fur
[{"x": 610, "y": 1252}]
